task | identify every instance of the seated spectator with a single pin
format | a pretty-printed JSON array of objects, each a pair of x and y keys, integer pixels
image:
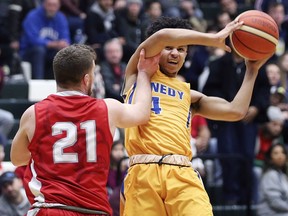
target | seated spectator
[
  {"x": 131, "y": 35},
  {"x": 117, "y": 153},
  {"x": 269, "y": 133},
  {"x": 152, "y": 11},
  {"x": 113, "y": 69},
  {"x": 200, "y": 136},
  {"x": 13, "y": 200},
  {"x": 7, "y": 49},
  {"x": 7, "y": 165},
  {"x": 273, "y": 72},
  {"x": 76, "y": 18},
  {"x": 188, "y": 10},
  {"x": 45, "y": 31},
  {"x": 283, "y": 63},
  {"x": 114, "y": 199},
  {"x": 6, "y": 123},
  {"x": 99, "y": 86},
  {"x": 273, "y": 188},
  {"x": 230, "y": 6},
  {"x": 99, "y": 25},
  {"x": 18, "y": 10},
  {"x": 277, "y": 11}
]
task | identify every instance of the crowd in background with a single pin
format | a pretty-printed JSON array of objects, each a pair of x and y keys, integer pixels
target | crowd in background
[{"x": 33, "y": 32}]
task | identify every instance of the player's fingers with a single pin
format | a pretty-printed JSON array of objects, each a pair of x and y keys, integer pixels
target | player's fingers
[
  {"x": 227, "y": 49},
  {"x": 142, "y": 54}
]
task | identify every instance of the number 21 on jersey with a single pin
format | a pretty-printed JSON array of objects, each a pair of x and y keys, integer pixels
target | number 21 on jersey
[{"x": 59, "y": 156}]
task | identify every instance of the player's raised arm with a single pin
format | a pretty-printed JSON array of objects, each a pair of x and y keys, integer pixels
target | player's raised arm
[
  {"x": 138, "y": 111},
  {"x": 178, "y": 34},
  {"x": 219, "y": 109}
]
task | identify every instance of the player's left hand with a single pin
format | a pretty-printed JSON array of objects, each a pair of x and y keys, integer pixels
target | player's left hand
[
  {"x": 148, "y": 65},
  {"x": 224, "y": 33}
]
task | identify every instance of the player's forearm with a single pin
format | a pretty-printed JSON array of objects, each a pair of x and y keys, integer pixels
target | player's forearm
[
  {"x": 143, "y": 95},
  {"x": 242, "y": 99},
  {"x": 176, "y": 37}
]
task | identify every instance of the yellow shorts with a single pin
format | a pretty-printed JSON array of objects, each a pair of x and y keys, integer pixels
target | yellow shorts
[{"x": 159, "y": 190}]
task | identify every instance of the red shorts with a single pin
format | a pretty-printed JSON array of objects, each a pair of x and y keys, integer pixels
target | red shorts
[{"x": 58, "y": 212}]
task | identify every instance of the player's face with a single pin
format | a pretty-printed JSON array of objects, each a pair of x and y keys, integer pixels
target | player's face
[{"x": 172, "y": 59}]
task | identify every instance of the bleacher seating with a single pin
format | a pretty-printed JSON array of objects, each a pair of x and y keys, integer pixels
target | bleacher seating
[{"x": 17, "y": 95}]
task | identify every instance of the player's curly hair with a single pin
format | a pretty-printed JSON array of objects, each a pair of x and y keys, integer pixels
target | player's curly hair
[{"x": 167, "y": 22}]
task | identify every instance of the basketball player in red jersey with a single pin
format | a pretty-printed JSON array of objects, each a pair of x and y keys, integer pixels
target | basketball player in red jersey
[{"x": 66, "y": 138}]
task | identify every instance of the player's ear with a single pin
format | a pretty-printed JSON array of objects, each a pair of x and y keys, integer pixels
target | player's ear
[{"x": 86, "y": 79}]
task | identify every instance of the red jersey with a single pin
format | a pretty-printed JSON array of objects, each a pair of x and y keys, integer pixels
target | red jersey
[{"x": 70, "y": 152}]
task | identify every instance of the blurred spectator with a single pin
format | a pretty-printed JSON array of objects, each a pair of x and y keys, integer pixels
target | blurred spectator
[
  {"x": 230, "y": 6},
  {"x": 170, "y": 8},
  {"x": 117, "y": 153},
  {"x": 188, "y": 10},
  {"x": 6, "y": 123},
  {"x": 118, "y": 167},
  {"x": 8, "y": 54},
  {"x": 152, "y": 11},
  {"x": 119, "y": 4},
  {"x": 236, "y": 138},
  {"x": 75, "y": 17},
  {"x": 18, "y": 10},
  {"x": 263, "y": 5},
  {"x": 200, "y": 136},
  {"x": 222, "y": 19},
  {"x": 283, "y": 64},
  {"x": 45, "y": 31},
  {"x": 113, "y": 69},
  {"x": 269, "y": 133},
  {"x": 128, "y": 27},
  {"x": 200, "y": 133},
  {"x": 4, "y": 165},
  {"x": 273, "y": 187},
  {"x": 99, "y": 25},
  {"x": 202, "y": 55},
  {"x": 277, "y": 12},
  {"x": 99, "y": 85},
  {"x": 13, "y": 201},
  {"x": 85, "y": 5},
  {"x": 114, "y": 199},
  {"x": 274, "y": 74},
  {"x": 277, "y": 97}
]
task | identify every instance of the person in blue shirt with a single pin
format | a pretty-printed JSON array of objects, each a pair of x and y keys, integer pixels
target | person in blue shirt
[{"x": 45, "y": 31}]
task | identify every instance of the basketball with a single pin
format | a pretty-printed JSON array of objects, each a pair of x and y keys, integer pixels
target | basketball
[{"x": 257, "y": 38}]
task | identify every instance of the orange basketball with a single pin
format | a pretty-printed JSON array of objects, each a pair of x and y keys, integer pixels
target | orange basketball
[{"x": 257, "y": 38}]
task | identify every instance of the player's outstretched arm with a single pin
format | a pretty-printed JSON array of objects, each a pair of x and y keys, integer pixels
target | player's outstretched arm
[
  {"x": 154, "y": 44},
  {"x": 219, "y": 109},
  {"x": 20, "y": 155},
  {"x": 138, "y": 112}
]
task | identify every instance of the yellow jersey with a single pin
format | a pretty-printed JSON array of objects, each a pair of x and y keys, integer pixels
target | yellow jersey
[{"x": 168, "y": 130}]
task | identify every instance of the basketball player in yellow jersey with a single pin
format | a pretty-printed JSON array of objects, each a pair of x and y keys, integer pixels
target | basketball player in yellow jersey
[{"x": 160, "y": 180}]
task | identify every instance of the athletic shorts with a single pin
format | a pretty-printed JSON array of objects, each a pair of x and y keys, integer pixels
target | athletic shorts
[
  {"x": 56, "y": 212},
  {"x": 154, "y": 190}
]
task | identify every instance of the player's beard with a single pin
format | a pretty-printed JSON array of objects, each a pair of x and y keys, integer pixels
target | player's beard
[{"x": 90, "y": 89}]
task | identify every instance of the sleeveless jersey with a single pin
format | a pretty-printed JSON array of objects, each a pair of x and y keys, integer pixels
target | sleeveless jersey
[
  {"x": 70, "y": 152},
  {"x": 168, "y": 130}
]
